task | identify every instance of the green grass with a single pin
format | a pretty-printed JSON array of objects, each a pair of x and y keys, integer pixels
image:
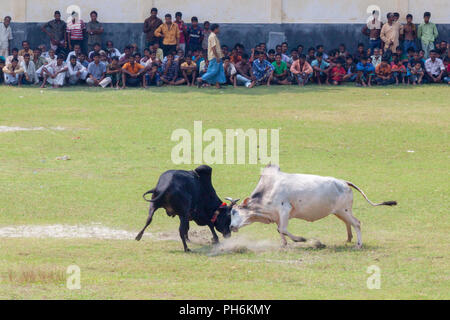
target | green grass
[{"x": 361, "y": 135}]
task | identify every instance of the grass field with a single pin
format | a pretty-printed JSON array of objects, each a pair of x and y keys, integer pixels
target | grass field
[{"x": 119, "y": 143}]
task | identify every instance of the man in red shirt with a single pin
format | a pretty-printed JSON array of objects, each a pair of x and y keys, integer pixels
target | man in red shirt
[
  {"x": 75, "y": 30},
  {"x": 183, "y": 31}
]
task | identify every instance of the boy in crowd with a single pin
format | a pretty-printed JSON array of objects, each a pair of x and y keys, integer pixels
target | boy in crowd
[
  {"x": 409, "y": 34},
  {"x": 132, "y": 73},
  {"x": 76, "y": 72},
  {"x": 321, "y": 49},
  {"x": 12, "y": 72},
  {"x": 170, "y": 72},
  {"x": 280, "y": 72},
  {"x": 189, "y": 71},
  {"x": 125, "y": 55},
  {"x": 271, "y": 56},
  {"x": 447, "y": 70},
  {"x": 350, "y": 69},
  {"x": 2, "y": 65},
  {"x": 29, "y": 75},
  {"x": 170, "y": 33},
  {"x": 321, "y": 69},
  {"x": 416, "y": 74},
  {"x": 398, "y": 69},
  {"x": 97, "y": 73},
  {"x": 83, "y": 60},
  {"x": 337, "y": 73},
  {"x": 365, "y": 72},
  {"x": 427, "y": 33},
  {"x": 230, "y": 71},
  {"x": 301, "y": 70},
  {"x": 376, "y": 58},
  {"x": 311, "y": 55},
  {"x": 383, "y": 73},
  {"x": 262, "y": 70},
  {"x": 434, "y": 68},
  {"x": 360, "y": 52},
  {"x": 244, "y": 71},
  {"x": 342, "y": 51},
  {"x": 235, "y": 57},
  {"x": 158, "y": 51},
  {"x": 113, "y": 71},
  {"x": 152, "y": 76},
  {"x": 14, "y": 55},
  {"x": 55, "y": 73},
  {"x": 183, "y": 31},
  {"x": 194, "y": 36}
]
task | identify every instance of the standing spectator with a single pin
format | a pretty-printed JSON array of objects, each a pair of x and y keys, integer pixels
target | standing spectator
[
  {"x": 26, "y": 49},
  {"x": 183, "y": 31},
  {"x": 262, "y": 70},
  {"x": 206, "y": 33},
  {"x": 12, "y": 72},
  {"x": 55, "y": 73},
  {"x": 373, "y": 30},
  {"x": 390, "y": 33},
  {"x": 5, "y": 37},
  {"x": 29, "y": 71},
  {"x": 75, "y": 71},
  {"x": 150, "y": 25},
  {"x": 410, "y": 34},
  {"x": 75, "y": 29},
  {"x": 434, "y": 68},
  {"x": 132, "y": 73},
  {"x": 301, "y": 70},
  {"x": 243, "y": 68},
  {"x": 94, "y": 30},
  {"x": 56, "y": 30},
  {"x": 194, "y": 36},
  {"x": 170, "y": 33},
  {"x": 97, "y": 73},
  {"x": 215, "y": 72},
  {"x": 427, "y": 33}
]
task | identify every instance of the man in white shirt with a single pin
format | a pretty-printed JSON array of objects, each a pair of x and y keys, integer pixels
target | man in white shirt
[
  {"x": 29, "y": 71},
  {"x": 376, "y": 58},
  {"x": 55, "y": 73},
  {"x": 75, "y": 71},
  {"x": 434, "y": 68},
  {"x": 5, "y": 36}
]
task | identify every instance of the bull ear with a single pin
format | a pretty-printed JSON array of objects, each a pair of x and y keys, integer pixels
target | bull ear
[{"x": 245, "y": 202}]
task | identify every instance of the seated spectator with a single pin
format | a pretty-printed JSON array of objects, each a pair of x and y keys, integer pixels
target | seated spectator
[
  {"x": 321, "y": 49},
  {"x": 416, "y": 74},
  {"x": 365, "y": 72},
  {"x": 301, "y": 70},
  {"x": 83, "y": 60},
  {"x": 125, "y": 57},
  {"x": 299, "y": 49},
  {"x": 338, "y": 73},
  {"x": 97, "y": 73},
  {"x": 235, "y": 57},
  {"x": 114, "y": 72},
  {"x": 189, "y": 71},
  {"x": 225, "y": 50},
  {"x": 360, "y": 52},
  {"x": 342, "y": 51},
  {"x": 416, "y": 59},
  {"x": 230, "y": 71},
  {"x": 14, "y": 55},
  {"x": 52, "y": 57},
  {"x": 271, "y": 56},
  {"x": 384, "y": 73},
  {"x": 244, "y": 71},
  {"x": 146, "y": 60},
  {"x": 262, "y": 70},
  {"x": 38, "y": 59},
  {"x": 111, "y": 51},
  {"x": 280, "y": 71},
  {"x": 2, "y": 65},
  {"x": 97, "y": 48},
  {"x": 398, "y": 70},
  {"x": 44, "y": 51},
  {"x": 434, "y": 68},
  {"x": 76, "y": 52},
  {"x": 152, "y": 76},
  {"x": 132, "y": 73},
  {"x": 13, "y": 73},
  {"x": 203, "y": 68},
  {"x": 198, "y": 58},
  {"x": 447, "y": 70},
  {"x": 26, "y": 49},
  {"x": 321, "y": 69},
  {"x": 76, "y": 72},
  {"x": 170, "y": 72},
  {"x": 376, "y": 57},
  {"x": 311, "y": 55},
  {"x": 159, "y": 52},
  {"x": 350, "y": 69},
  {"x": 29, "y": 75},
  {"x": 55, "y": 73}
]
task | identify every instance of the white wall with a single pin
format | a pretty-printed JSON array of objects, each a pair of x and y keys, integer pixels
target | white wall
[{"x": 231, "y": 11}]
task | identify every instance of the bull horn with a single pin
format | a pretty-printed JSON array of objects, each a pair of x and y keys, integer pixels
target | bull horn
[{"x": 232, "y": 201}]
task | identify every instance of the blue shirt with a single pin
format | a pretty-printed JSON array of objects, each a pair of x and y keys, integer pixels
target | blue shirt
[
  {"x": 96, "y": 70},
  {"x": 366, "y": 68},
  {"x": 194, "y": 36},
  {"x": 259, "y": 68},
  {"x": 323, "y": 64}
]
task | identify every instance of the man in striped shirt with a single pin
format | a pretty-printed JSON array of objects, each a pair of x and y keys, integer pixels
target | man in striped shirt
[{"x": 75, "y": 29}]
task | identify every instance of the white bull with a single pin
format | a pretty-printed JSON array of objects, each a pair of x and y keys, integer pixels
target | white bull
[{"x": 281, "y": 196}]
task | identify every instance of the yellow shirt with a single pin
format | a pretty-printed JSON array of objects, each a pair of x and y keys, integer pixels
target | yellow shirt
[
  {"x": 171, "y": 34},
  {"x": 213, "y": 41},
  {"x": 192, "y": 67}
]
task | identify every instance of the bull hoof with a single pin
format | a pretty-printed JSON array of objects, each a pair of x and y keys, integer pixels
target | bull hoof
[
  {"x": 187, "y": 250},
  {"x": 215, "y": 241},
  {"x": 358, "y": 246},
  {"x": 138, "y": 237}
]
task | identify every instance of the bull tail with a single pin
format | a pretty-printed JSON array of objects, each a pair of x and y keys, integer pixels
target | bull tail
[
  {"x": 386, "y": 203},
  {"x": 154, "y": 199}
]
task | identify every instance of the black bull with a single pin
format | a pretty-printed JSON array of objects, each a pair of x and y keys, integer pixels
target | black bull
[{"x": 191, "y": 196}]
